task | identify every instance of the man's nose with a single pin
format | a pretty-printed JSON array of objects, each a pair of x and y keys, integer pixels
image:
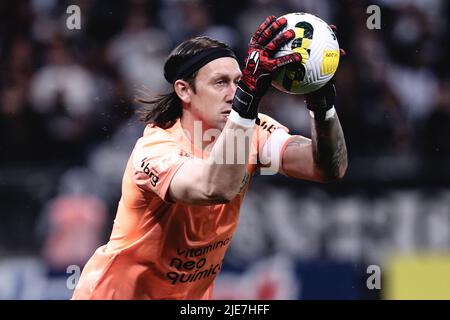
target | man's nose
[{"x": 231, "y": 91}]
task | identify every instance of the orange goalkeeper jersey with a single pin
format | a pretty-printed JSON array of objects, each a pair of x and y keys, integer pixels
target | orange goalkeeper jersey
[{"x": 159, "y": 249}]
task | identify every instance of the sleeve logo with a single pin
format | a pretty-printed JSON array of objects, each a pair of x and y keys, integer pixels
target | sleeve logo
[
  {"x": 269, "y": 128},
  {"x": 152, "y": 173}
]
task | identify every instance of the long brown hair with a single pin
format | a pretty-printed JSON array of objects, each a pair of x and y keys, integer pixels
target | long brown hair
[{"x": 163, "y": 110}]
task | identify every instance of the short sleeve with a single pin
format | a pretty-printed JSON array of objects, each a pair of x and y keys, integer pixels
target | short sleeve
[
  {"x": 266, "y": 127},
  {"x": 264, "y": 130},
  {"x": 156, "y": 158}
]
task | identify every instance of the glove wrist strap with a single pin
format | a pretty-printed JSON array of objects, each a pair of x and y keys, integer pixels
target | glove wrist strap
[
  {"x": 323, "y": 114},
  {"x": 245, "y": 102}
]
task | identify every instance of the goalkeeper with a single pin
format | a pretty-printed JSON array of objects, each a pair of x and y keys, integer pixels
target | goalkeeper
[{"x": 181, "y": 194}]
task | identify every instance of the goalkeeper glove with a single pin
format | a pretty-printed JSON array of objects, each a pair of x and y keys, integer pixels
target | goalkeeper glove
[{"x": 260, "y": 65}]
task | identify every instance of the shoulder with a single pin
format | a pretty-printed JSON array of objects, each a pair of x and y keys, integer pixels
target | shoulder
[
  {"x": 157, "y": 146},
  {"x": 154, "y": 136},
  {"x": 155, "y": 132}
]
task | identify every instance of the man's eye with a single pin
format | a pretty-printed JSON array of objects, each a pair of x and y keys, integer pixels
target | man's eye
[{"x": 220, "y": 83}]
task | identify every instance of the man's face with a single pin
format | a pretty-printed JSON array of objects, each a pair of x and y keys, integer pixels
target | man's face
[{"x": 215, "y": 87}]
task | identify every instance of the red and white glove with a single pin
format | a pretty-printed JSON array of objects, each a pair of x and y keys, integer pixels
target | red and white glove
[{"x": 260, "y": 65}]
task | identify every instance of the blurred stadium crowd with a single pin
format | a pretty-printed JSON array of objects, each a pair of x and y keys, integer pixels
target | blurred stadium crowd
[{"x": 68, "y": 121}]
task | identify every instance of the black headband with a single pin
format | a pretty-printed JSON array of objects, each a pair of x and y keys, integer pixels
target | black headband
[{"x": 197, "y": 61}]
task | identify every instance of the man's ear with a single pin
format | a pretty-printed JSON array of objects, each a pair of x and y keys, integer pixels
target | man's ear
[{"x": 182, "y": 89}]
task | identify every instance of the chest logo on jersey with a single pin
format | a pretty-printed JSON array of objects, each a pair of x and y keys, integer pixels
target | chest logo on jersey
[
  {"x": 152, "y": 173},
  {"x": 192, "y": 264}
]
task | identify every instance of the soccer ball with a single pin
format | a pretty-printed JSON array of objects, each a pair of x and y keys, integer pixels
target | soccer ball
[{"x": 318, "y": 45}]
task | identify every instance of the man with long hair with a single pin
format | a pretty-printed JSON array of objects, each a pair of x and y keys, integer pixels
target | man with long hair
[{"x": 187, "y": 175}]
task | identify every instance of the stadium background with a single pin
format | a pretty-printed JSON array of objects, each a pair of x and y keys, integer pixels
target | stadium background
[{"x": 68, "y": 124}]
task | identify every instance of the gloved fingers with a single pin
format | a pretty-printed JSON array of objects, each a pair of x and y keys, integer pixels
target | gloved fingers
[
  {"x": 287, "y": 59},
  {"x": 335, "y": 30},
  {"x": 262, "y": 27},
  {"x": 279, "y": 41},
  {"x": 271, "y": 31}
]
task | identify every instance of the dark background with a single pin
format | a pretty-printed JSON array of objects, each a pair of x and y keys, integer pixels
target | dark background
[{"x": 68, "y": 122}]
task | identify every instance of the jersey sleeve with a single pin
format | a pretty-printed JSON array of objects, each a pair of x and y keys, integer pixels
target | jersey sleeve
[
  {"x": 156, "y": 158},
  {"x": 266, "y": 157}
]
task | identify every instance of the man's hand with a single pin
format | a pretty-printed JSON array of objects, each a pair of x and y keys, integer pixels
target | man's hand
[
  {"x": 322, "y": 100},
  {"x": 260, "y": 65},
  {"x": 324, "y": 157}
]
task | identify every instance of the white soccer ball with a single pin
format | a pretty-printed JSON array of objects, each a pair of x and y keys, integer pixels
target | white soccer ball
[{"x": 318, "y": 45}]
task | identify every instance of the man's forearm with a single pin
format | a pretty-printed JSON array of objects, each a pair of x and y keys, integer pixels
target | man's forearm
[
  {"x": 227, "y": 162},
  {"x": 329, "y": 149}
]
